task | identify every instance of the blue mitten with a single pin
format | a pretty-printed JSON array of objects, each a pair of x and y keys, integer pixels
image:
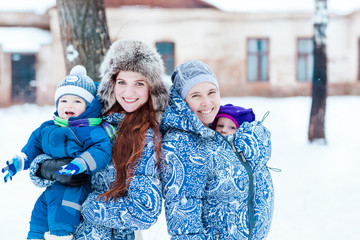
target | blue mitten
[
  {"x": 18, "y": 163},
  {"x": 76, "y": 166}
]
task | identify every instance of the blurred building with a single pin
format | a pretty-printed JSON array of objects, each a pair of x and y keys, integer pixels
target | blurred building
[{"x": 252, "y": 54}]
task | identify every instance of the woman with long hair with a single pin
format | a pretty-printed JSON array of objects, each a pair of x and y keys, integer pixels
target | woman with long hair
[{"x": 125, "y": 195}]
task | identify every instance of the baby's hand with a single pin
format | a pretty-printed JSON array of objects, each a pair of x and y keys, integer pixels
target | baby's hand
[{"x": 76, "y": 166}]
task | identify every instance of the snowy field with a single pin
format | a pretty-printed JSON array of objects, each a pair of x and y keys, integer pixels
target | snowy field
[{"x": 317, "y": 192}]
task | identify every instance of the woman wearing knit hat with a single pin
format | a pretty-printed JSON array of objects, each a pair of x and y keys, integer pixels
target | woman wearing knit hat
[
  {"x": 126, "y": 195},
  {"x": 214, "y": 187},
  {"x": 76, "y": 134}
]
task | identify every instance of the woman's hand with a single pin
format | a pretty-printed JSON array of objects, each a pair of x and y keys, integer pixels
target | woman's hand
[{"x": 47, "y": 170}]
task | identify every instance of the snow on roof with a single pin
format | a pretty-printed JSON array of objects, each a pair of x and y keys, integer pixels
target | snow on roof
[
  {"x": 23, "y": 39},
  {"x": 36, "y": 6}
]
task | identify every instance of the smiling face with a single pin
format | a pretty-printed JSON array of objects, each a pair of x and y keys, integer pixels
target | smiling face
[
  {"x": 71, "y": 106},
  {"x": 131, "y": 90},
  {"x": 225, "y": 126},
  {"x": 204, "y": 100}
]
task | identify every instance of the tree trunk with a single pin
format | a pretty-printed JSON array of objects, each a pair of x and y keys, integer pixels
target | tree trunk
[
  {"x": 84, "y": 33},
  {"x": 319, "y": 93},
  {"x": 319, "y": 88}
]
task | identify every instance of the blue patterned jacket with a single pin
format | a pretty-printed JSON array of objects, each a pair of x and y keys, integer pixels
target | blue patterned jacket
[
  {"x": 214, "y": 187},
  {"x": 138, "y": 210}
]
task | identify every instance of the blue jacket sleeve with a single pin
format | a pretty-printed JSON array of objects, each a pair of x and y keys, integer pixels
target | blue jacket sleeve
[
  {"x": 253, "y": 139},
  {"x": 98, "y": 150},
  {"x": 183, "y": 175},
  {"x": 142, "y": 205},
  {"x": 33, "y": 147}
]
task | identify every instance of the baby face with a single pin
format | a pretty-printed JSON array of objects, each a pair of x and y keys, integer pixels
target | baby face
[
  {"x": 71, "y": 106},
  {"x": 225, "y": 126}
]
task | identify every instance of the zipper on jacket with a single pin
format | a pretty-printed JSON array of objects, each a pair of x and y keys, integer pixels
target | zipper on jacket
[
  {"x": 242, "y": 157},
  {"x": 247, "y": 167},
  {"x": 217, "y": 236},
  {"x": 113, "y": 232},
  {"x": 244, "y": 162}
]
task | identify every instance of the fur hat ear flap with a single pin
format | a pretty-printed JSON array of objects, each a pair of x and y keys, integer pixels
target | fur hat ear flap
[
  {"x": 134, "y": 56},
  {"x": 160, "y": 95},
  {"x": 106, "y": 94}
]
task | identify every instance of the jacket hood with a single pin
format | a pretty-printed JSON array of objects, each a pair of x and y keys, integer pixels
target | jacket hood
[
  {"x": 178, "y": 115},
  {"x": 136, "y": 56}
]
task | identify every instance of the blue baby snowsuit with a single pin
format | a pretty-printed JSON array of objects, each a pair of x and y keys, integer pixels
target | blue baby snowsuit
[{"x": 59, "y": 206}]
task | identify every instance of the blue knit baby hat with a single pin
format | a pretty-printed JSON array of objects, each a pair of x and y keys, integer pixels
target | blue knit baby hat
[{"x": 76, "y": 83}]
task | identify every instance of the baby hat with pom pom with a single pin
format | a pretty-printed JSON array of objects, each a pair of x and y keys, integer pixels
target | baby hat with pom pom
[{"x": 76, "y": 83}]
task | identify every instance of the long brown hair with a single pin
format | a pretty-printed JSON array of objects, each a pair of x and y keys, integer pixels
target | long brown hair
[{"x": 129, "y": 145}]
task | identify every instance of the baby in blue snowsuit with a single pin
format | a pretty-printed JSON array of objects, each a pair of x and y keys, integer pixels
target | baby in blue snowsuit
[{"x": 76, "y": 132}]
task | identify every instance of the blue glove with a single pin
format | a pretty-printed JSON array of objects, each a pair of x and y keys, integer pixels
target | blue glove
[
  {"x": 76, "y": 166},
  {"x": 18, "y": 163}
]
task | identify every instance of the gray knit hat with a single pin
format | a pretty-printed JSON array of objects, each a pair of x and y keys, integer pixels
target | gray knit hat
[
  {"x": 135, "y": 56},
  {"x": 190, "y": 73},
  {"x": 76, "y": 83}
]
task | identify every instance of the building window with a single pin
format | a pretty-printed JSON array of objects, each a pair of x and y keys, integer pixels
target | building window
[
  {"x": 166, "y": 50},
  {"x": 258, "y": 60},
  {"x": 305, "y": 59},
  {"x": 23, "y": 75}
]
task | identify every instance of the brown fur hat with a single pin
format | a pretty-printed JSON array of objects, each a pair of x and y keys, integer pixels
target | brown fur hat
[{"x": 136, "y": 56}]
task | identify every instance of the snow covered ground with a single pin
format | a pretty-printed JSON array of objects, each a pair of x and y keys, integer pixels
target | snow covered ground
[{"x": 317, "y": 192}]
